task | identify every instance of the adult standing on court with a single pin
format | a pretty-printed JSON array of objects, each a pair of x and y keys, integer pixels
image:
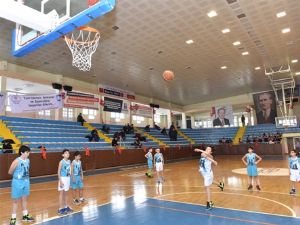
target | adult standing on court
[{"x": 243, "y": 120}]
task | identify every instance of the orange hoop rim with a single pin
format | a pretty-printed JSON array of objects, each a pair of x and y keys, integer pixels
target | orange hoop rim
[{"x": 84, "y": 28}]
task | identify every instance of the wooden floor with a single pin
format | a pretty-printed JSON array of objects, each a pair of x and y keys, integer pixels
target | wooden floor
[{"x": 183, "y": 184}]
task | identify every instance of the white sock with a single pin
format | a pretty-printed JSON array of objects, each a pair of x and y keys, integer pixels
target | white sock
[
  {"x": 14, "y": 216},
  {"x": 81, "y": 198},
  {"x": 25, "y": 212}
]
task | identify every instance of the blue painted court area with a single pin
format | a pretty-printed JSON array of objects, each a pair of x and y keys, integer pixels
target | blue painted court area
[{"x": 158, "y": 212}]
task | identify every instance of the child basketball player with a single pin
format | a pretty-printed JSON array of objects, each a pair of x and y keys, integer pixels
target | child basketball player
[
  {"x": 294, "y": 170},
  {"x": 251, "y": 164},
  {"x": 20, "y": 184},
  {"x": 149, "y": 158},
  {"x": 159, "y": 165},
  {"x": 77, "y": 178},
  {"x": 206, "y": 171},
  {"x": 64, "y": 172}
]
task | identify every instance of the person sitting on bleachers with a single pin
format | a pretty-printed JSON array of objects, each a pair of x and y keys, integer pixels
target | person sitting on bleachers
[
  {"x": 131, "y": 129},
  {"x": 147, "y": 128},
  {"x": 122, "y": 135},
  {"x": 137, "y": 142},
  {"x": 248, "y": 139},
  {"x": 105, "y": 129},
  {"x": 80, "y": 119},
  {"x": 156, "y": 127},
  {"x": 95, "y": 136},
  {"x": 114, "y": 142},
  {"x": 164, "y": 131},
  {"x": 140, "y": 137},
  {"x": 125, "y": 129}
]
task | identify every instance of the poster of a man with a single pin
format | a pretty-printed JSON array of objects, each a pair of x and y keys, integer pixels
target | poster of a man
[
  {"x": 221, "y": 119},
  {"x": 265, "y": 107}
]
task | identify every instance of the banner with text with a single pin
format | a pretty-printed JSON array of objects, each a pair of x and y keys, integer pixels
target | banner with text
[
  {"x": 112, "y": 105},
  {"x": 141, "y": 110},
  {"x": 112, "y": 91},
  {"x": 33, "y": 103},
  {"x": 81, "y": 100},
  {"x": 2, "y": 101}
]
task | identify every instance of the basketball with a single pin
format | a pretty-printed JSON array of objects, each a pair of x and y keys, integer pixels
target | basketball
[{"x": 168, "y": 75}]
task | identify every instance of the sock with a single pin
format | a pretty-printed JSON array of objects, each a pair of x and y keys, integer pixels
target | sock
[
  {"x": 81, "y": 198},
  {"x": 25, "y": 213},
  {"x": 13, "y": 216}
]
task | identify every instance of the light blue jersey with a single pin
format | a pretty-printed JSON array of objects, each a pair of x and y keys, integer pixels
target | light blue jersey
[
  {"x": 149, "y": 157},
  {"x": 251, "y": 159},
  {"x": 22, "y": 170},
  {"x": 76, "y": 168},
  {"x": 294, "y": 163},
  {"x": 251, "y": 165},
  {"x": 20, "y": 185},
  {"x": 158, "y": 157},
  {"x": 65, "y": 168},
  {"x": 205, "y": 164}
]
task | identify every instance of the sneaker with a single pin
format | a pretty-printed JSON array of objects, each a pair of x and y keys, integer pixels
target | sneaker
[
  {"x": 147, "y": 174},
  {"x": 258, "y": 187},
  {"x": 250, "y": 187},
  {"x": 61, "y": 212},
  {"x": 293, "y": 192},
  {"x": 221, "y": 186},
  {"x": 27, "y": 218},
  {"x": 76, "y": 202},
  {"x": 68, "y": 209},
  {"x": 209, "y": 205},
  {"x": 12, "y": 221},
  {"x": 82, "y": 200}
]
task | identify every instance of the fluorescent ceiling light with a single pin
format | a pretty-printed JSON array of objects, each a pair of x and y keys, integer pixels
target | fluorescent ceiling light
[
  {"x": 297, "y": 73},
  {"x": 226, "y": 30},
  {"x": 285, "y": 30},
  {"x": 294, "y": 61},
  {"x": 281, "y": 14},
  {"x": 245, "y": 53},
  {"x": 189, "y": 41},
  {"x": 236, "y": 43},
  {"x": 223, "y": 67},
  {"x": 212, "y": 14},
  {"x": 257, "y": 68}
]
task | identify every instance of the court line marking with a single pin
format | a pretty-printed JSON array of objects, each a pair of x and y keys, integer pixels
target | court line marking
[
  {"x": 210, "y": 215},
  {"x": 294, "y": 215},
  {"x": 79, "y": 211}
]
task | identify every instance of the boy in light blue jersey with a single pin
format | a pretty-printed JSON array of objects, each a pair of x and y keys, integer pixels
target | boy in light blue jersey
[
  {"x": 149, "y": 158},
  {"x": 294, "y": 166},
  {"x": 20, "y": 185},
  {"x": 250, "y": 161},
  {"x": 77, "y": 178},
  {"x": 64, "y": 173},
  {"x": 159, "y": 165}
]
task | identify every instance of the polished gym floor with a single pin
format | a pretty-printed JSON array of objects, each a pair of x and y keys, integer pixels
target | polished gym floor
[{"x": 126, "y": 196}]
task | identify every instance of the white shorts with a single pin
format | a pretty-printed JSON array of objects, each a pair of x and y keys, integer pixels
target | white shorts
[
  {"x": 66, "y": 182},
  {"x": 294, "y": 175},
  {"x": 208, "y": 177},
  {"x": 159, "y": 166}
]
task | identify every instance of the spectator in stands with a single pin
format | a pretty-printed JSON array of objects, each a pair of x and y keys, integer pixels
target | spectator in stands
[
  {"x": 137, "y": 142},
  {"x": 172, "y": 133},
  {"x": 248, "y": 139},
  {"x": 221, "y": 120},
  {"x": 240, "y": 141},
  {"x": 80, "y": 119},
  {"x": 147, "y": 128},
  {"x": 175, "y": 135},
  {"x": 164, "y": 131},
  {"x": 243, "y": 120},
  {"x": 131, "y": 129},
  {"x": 267, "y": 113},
  {"x": 126, "y": 129},
  {"x": 114, "y": 142},
  {"x": 156, "y": 127},
  {"x": 105, "y": 128},
  {"x": 122, "y": 135},
  {"x": 95, "y": 135}
]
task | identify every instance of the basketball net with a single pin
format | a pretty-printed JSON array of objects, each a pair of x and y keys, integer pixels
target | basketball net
[{"x": 82, "y": 44}]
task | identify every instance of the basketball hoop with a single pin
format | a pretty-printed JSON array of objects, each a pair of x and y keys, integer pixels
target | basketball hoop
[{"x": 83, "y": 43}]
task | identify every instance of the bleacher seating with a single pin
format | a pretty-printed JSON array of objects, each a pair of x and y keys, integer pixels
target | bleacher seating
[
  {"x": 53, "y": 134},
  {"x": 210, "y": 135},
  {"x": 165, "y": 138},
  {"x": 129, "y": 137}
]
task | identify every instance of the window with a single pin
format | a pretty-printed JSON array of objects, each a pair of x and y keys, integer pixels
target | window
[
  {"x": 91, "y": 113},
  {"x": 44, "y": 113},
  {"x": 138, "y": 119},
  {"x": 117, "y": 116},
  {"x": 68, "y": 113},
  {"x": 156, "y": 118}
]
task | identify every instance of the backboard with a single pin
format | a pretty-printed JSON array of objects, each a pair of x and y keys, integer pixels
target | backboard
[{"x": 62, "y": 17}]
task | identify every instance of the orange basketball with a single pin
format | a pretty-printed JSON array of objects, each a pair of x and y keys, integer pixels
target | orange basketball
[{"x": 168, "y": 75}]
